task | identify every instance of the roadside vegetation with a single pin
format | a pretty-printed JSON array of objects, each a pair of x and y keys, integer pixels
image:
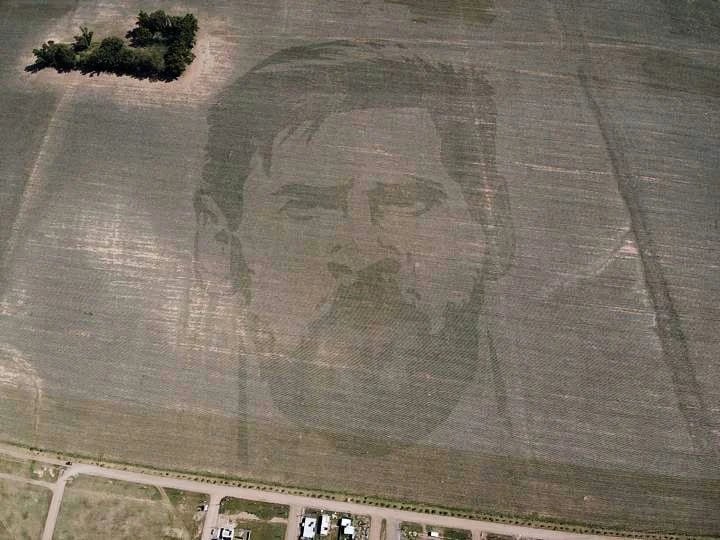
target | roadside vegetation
[
  {"x": 159, "y": 48},
  {"x": 32, "y": 470},
  {"x": 23, "y": 509}
]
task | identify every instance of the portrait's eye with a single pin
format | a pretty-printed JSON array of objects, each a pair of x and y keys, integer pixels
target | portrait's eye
[
  {"x": 300, "y": 209},
  {"x": 412, "y": 198},
  {"x": 304, "y": 202}
]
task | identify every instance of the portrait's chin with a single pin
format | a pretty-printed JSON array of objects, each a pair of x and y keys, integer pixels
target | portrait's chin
[{"x": 371, "y": 377}]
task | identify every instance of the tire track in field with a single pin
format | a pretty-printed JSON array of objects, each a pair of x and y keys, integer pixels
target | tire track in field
[
  {"x": 34, "y": 185},
  {"x": 668, "y": 325}
]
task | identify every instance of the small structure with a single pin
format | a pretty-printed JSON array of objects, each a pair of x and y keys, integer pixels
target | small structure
[
  {"x": 324, "y": 525},
  {"x": 222, "y": 533},
  {"x": 243, "y": 534},
  {"x": 349, "y": 531},
  {"x": 344, "y": 522},
  {"x": 434, "y": 534},
  {"x": 309, "y": 526}
]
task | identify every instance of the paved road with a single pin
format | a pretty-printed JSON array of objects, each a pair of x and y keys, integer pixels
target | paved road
[{"x": 216, "y": 492}]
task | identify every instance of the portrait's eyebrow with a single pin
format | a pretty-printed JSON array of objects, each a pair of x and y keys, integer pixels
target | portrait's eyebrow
[{"x": 307, "y": 196}]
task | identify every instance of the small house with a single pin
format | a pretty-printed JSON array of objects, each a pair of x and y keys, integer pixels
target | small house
[{"x": 309, "y": 526}]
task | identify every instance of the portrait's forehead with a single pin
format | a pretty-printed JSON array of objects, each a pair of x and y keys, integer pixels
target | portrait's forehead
[{"x": 393, "y": 142}]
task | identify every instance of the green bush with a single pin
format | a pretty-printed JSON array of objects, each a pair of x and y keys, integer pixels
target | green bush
[{"x": 60, "y": 56}]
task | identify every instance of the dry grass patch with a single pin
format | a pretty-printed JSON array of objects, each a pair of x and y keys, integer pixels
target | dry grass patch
[
  {"x": 95, "y": 507},
  {"x": 23, "y": 509}
]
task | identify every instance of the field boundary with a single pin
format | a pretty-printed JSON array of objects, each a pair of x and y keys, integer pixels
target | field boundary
[{"x": 534, "y": 521}]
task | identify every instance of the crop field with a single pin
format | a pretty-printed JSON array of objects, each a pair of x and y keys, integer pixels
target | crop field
[
  {"x": 455, "y": 252},
  {"x": 92, "y": 507},
  {"x": 23, "y": 509}
]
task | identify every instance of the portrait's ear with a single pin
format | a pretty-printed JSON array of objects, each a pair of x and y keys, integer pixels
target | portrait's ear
[
  {"x": 212, "y": 239},
  {"x": 218, "y": 259}
]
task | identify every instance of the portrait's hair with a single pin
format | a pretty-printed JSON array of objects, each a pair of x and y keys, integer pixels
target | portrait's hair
[{"x": 297, "y": 88}]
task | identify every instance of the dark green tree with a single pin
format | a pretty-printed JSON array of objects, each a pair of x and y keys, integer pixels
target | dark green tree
[
  {"x": 141, "y": 37},
  {"x": 107, "y": 56},
  {"x": 156, "y": 22},
  {"x": 84, "y": 40}
]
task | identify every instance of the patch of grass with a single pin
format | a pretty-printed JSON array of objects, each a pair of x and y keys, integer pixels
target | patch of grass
[
  {"x": 456, "y": 534},
  {"x": 495, "y": 536},
  {"x": 113, "y": 488},
  {"x": 23, "y": 508},
  {"x": 411, "y": 530},
  {"x": 262, "y": 530},
  {"x": 264, "y": 511},
  {"x": 93, "y": 506}
]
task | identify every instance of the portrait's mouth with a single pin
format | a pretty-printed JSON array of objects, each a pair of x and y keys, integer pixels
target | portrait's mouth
[{"x": 376, "y": 289}]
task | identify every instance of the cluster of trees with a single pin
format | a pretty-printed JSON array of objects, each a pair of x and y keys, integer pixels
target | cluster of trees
[{"x": 160, "y": 47}]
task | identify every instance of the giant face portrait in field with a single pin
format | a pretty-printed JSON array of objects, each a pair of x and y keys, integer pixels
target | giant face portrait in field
[{"x": 351, "y": 202}]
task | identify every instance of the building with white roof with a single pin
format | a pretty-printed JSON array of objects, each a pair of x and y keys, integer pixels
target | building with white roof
[
  {"x": 309, "y": 526},
  {"x": 324, "y": 525}
]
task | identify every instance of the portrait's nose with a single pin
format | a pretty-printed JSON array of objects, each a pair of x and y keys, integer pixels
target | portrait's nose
[{"x": 360, "y": 242}]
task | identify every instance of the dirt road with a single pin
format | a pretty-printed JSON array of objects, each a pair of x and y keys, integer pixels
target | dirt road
[
  {"x": 375, "y": 524},
  {"x": 296, "y": 502},
  {"x": 293, "y": 526},
  {"x": 212, "y": 515},
  {"x": 58, "y": 490}
]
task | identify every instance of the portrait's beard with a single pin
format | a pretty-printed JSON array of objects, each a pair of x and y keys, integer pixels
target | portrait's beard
[{"x": 369, "y": 370}]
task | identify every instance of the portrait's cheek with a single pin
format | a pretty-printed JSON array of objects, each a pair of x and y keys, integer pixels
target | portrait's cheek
[{"x": 290, "y": 278}]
